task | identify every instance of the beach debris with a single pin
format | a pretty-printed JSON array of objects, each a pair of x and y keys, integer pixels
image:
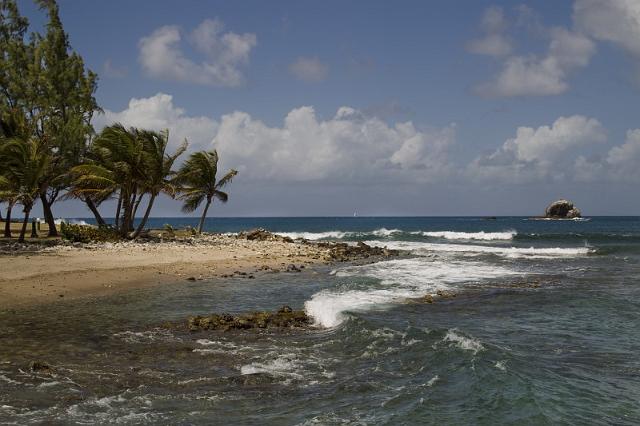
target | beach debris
[
  {"x": 562, "y": 209},
  {"x": 285, "y": 317},
  {"x": 191, "y": 279}
]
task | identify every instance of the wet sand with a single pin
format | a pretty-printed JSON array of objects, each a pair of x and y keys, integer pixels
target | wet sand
[{"x": 64, "y": 272}]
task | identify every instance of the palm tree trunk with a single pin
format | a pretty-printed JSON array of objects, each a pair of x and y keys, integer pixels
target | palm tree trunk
[
  {"x": 137, "y": 204},
  {"x": 118, "y": 208},
  {"x": 23, "y": 231},
  {"x": 126, "y": 215},
  {"x": 145, "y": 217},
  {"x": 204, "y": 215},
  {"x": 132, "y": 205},
  {"x": 7, "y": 224},
  {"x": 48, "y": 215},
  {"x": 92, "y": 206}
]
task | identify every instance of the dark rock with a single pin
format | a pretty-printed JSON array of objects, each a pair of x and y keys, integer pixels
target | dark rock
[
  {"x": 562, "y": 209},
  {"x": 293, "y": 268},
  {"x": 344, "y": 252},
  {"x": 40, "y": 367},
  {"x": 285, "y": 317},
  {"x": 263, "y": 235},
  {"x": 191, "y": 279}
]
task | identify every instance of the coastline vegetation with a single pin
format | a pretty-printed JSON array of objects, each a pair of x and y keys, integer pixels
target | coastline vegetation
[{"x": 49, "y": 150}]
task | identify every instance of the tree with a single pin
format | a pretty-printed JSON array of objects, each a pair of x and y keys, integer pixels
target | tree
[
  {"x": 62, "y": 106},
  {"x": 158, "y": 166},
  {"x": 114, "y": 166},
  {"x": 197, "y": 183},
  {"x": 26, "y": 163}
]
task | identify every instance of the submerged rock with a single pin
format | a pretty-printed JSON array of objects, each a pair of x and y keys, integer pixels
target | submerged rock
[
  {"x": 285, "y": 317},
  {"x": 562, "y": 209}
]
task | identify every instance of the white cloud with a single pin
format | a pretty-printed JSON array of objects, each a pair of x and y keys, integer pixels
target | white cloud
[
  {"x": 351, "y": 146},
  {"x": 494, "y": 42},
  {"x": 309, "y": 69},
  {"x": 539, "y": 76},
  {"x": 616, "y": 21},
  {"x": 224, "y": 53},
  {"x": 547, "y": 152},
  {"x": 348, "y": 147},
  {"x": 158, "y": 113},
  {"x": 620, "y": 164}
]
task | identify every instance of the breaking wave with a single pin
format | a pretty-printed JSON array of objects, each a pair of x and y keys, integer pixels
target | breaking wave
[
  {"x": 452, "y": 235},
  {"x": 399, "y": 280}
]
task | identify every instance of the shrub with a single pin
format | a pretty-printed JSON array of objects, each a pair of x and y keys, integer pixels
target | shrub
[{"x": 88, "y": 234}]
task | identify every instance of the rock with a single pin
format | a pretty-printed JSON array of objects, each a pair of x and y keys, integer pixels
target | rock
[
  {"x": 40, "y": 367},
  {"x": 191, "y": 279},
  {"x": 293, "y": 268},
  {"x": 285, "y": 317},
  {"x": 263, "y": 235},
  {"x": 343, "y": 252},
  {"x": 562, "y": 209}
]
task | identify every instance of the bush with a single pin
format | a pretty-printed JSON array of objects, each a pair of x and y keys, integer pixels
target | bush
[{"x": 88, "y": 234}]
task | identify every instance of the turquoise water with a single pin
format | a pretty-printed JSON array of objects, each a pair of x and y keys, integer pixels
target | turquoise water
[{"x": 544, "y": 330}]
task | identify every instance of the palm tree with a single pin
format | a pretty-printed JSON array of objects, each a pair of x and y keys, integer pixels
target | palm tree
[
  {"x": 26, "y": 163},
  {"x": 197, "y": 183},
  {"x": 158, "y": 166},
  {"x": 115, "y": 166}
]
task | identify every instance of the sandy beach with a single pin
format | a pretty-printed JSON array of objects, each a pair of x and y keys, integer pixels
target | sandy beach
[{"x": 67, "y": 271}]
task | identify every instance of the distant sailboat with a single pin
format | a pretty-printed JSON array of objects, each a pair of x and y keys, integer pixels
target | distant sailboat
[{"x": 355, "y": 214}]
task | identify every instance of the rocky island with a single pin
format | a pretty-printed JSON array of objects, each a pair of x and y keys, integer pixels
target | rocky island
[{"x": 562, "y": 209}]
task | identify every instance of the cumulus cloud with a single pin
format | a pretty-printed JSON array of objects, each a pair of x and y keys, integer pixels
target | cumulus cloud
[
  {"x": 349, "y": 146},
  {"x": 494, "y": 42},
  {"x": 548, "y": 152},
  {"x": 158, "y": 113},
  {"x": 224, "y": 53},
  {"x": 616, "y": 21},
  {"x": 309, "y": 69},
  {"x": 539, "y": 76}
]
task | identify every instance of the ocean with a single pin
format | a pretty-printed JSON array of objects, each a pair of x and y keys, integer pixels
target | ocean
[{"x": 544, "y": 328}]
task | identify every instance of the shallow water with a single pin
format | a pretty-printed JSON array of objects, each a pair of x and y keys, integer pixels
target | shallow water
[{"x": 543, "y": 330}]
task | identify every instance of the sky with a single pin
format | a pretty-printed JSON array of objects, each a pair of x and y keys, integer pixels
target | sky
[{"x": 327, "y": 108}]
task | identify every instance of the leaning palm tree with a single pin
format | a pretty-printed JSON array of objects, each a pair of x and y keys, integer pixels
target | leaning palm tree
[
  {"x": 26, "y": 163},
  {"x": 197, "y": 183},
  {"x": 115, "y": 166},
  {"x": 158, "y": 166}
]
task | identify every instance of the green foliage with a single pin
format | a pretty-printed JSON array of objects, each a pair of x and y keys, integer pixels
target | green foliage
[
  {"x": 170, "y": 230},
  {"x": 197, "y": 182},
  {"x": 88, "y": 234}
]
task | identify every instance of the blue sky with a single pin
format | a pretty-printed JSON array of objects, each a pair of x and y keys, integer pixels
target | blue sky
[{"x": 408, "y": 107}]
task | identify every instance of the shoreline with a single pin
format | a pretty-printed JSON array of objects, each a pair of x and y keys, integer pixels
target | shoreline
[{"x": 64, "y": 272}]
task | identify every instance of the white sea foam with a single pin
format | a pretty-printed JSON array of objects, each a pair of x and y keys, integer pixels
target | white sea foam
[
  {"x": 60, "y": 221},
  {"x": 399, "y": 280},
  {"x": 314, "y": 235},
  {"x": 337, "y": 235},
  {"x": 463, "y": 342},
  {"x": 384, "y": 232},
  {"x": 510, "y": 252},
  {"x": 485, "y": 236},
  {"x": 283, "y": 366}
]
